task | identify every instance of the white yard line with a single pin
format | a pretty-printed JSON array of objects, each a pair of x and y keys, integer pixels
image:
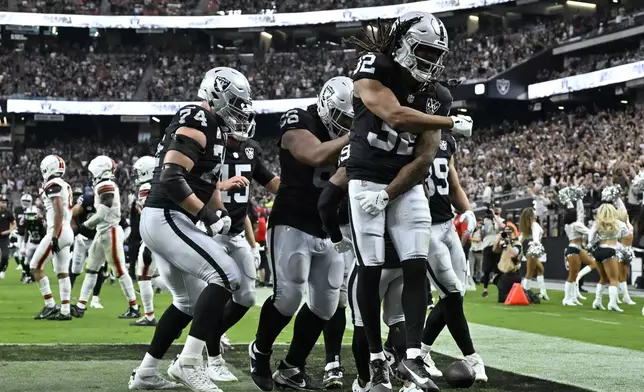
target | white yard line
[
  {"x": 547, "y": 313},
  {"x": 600, "y": 321}
]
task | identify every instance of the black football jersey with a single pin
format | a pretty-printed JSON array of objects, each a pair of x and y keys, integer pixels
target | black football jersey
[
  {"x": 35, "y": 229},
  {"x": 378, "y": 152},
  {"x": 135, "y": 218},
  {"x": 296, "y": 201},
  {"x": 440, "y": 203},
  {"x": 19, "y": 214},
  {"x": 205, "y": 173},
  {"x": 242, "y": 160},
  {"x": 391, "y": 256},
  {"x": 87, "y": 203}
]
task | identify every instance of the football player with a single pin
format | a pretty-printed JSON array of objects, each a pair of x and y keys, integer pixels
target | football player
[
  {"x": 447, "y": 265},
  {"x": 243, "y": 163},
  {"x": 19, "y": 212},
  {"x": 57, "y": 197},
  {"x": 7, "y": 216},
  {"x": 334, "y": 212},
  {"x": 82, "y": 211},
  {"x": 35, "y": 231},
  {"x": 385, "y": 188},
  {"x": 301, "y": 252},
  {"x": 146, "y": 268},
  {"x": 195, "y": 267},
  {"x": 108, "y": 241}
]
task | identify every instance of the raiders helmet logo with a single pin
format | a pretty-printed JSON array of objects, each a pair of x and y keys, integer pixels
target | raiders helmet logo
[
  {"x": 443, "y": 145},
  {"x": 502, "y": 86},
  {"x": 432, "y": 106},
  {"x": 250, "y": 152},
  {"x": 221, "y": 84},
  {"x": 327, "y": 93}
]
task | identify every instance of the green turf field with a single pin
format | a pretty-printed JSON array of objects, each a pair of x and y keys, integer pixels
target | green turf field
[{"x": 548, "y": 341}]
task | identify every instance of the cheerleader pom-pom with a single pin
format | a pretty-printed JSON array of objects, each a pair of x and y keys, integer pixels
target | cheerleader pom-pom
[
  {"x": 566, "y": 196},
  {"x": 610, "y": 194},
  {"x": 535, "y": 250},
  {"x": 579, "y": 191},
  {"x": 638, "y": 183}
]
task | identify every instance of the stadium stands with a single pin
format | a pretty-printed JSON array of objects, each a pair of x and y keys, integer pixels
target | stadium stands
[{"x": 59, "y": 6}]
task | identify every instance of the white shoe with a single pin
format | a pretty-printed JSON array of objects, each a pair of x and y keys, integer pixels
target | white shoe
[
  {"x": 96, "y": 303},
  {"x": 476, "y": 362},
  {"x": 430, "y": 366},
  {"x": 218, "y": 371},
  {"x": 149, "y": 378},
  {"x": 410, "y": 388},
  {"x": 190, "y": 372},
  {"x": 544, "y": 296},
  {"x": 598, "y": 306},
  {"x": 642, "y": 311},
  {"x": 614, "y": 307},
  {"x": 628, "y": 301},
  {"x": 18, "y": 268},
  {"x": 576, "y": 302},
  {"x": 619, "y": 301},
  {"x": 224, "y": 343},
  {"x": 578, "y": 293},
  {"x": 568, "y": 302},
  {"x": 355, "y": 387},
  {"x": 1, "y": 275}
]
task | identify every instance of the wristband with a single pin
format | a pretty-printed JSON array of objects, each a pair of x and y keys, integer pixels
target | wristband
[{"x": 207, "y": 216}]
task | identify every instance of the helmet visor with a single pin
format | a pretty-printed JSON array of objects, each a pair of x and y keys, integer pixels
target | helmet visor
[
  {"x": 341, "y": 121},
  {"x": 429, "y": 59},
  {"x": 239, "y": 116}
]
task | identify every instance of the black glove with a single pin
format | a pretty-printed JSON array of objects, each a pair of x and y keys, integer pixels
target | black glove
[{"x": 54, "y": 245}]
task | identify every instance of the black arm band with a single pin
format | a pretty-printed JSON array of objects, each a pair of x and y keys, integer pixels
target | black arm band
[
  {"x": 187, "y": 146},
  {"x": 173, "y": 182},
  {"x": 328, "y": 203},
  {"x": 207, "y": 216}
]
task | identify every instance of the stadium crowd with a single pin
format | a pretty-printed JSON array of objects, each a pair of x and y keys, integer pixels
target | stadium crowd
[{"x": 87, "y": 7}]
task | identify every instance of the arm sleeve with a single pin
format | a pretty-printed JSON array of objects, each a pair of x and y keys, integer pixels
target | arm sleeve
[
  {"x": 619, "y": 204},
  {"x": 592, "y": 233},
  {"x": 261, "y": 174},
  {"x": 101, "y": 211},
  {"x": 580, "y": 211},
  {"x": 328, "y": 204}
]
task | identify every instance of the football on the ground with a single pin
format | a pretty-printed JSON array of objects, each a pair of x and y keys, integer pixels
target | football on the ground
[{"x": 459, "y": 375}]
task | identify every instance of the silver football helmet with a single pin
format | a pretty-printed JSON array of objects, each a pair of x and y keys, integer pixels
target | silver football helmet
[
  {"x": 335, "y": 106},
  {"x": 228, "y": 93},
  {"x": 423, "y": 47}
]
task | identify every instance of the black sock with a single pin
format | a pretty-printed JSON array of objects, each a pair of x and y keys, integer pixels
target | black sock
[
  {"x": 333, "y": 334},
  {"x": 306, "y": 331},
  {"x": 414, "y": 299},
  {"x": 100, "y": 278},
  {"x": 169, "y": 328},
  {"x": 397, "y": 339},
  {"x": 208, "y": 311},
  {"x": 360, "y": 348},
  {"x": 457, "y": 324},
  {"x": 3, "y": 264},
  {"x": 271, "y": 323},
  {"x": 434, "y": 324},
  {"x": 72, "y": 278},
  {"x": 369, "y": 304},
  {"x": 233, "y": 312}
]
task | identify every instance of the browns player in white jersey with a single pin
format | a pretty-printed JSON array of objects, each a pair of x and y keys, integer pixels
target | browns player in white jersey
[
  {"x": 108, "y": 242},
  {"x": 57, "y": 198},
  {"x": 146, "y": 268}
]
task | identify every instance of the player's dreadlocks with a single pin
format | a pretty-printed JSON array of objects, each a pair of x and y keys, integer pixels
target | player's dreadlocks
[{"x": 384, "y": 39}]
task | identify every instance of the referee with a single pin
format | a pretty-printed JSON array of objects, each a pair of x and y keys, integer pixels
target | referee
[{"x": 7, "y": 224}]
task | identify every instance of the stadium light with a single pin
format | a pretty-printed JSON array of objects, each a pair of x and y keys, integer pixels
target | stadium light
[
  {"x": 625, "y": 102},
  {"x": 462, "y": 110},
  {"x": 266, "y": 35},
  {"x": 479, "y": 89},
  {"x": 560, "y": 108},
  {"x": 155, "y": 119},
  {"x": 581, "y": 4},
  {"x": 474, "y": 18}
]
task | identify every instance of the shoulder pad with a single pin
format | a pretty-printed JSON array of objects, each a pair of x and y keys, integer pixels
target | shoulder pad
[
  {"x": 375, "y": 66},
  {"x": 105, "y": 187},
  {"x": 344, "y": 156},
  {"x": 196, "y": 117},
  {"x": 297, "y": 119}
]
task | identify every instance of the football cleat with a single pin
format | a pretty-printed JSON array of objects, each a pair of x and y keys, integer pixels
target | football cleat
[
  {"x": 149, "y": 379},
  {"x": 410, "y": 387},
  {"x": 190, "y": 372},
  {"x": 219, "y": 372},
  {"x": 131, "y": 313},
  {"x": 96, "y": 303},
  {"x": 224, "y": 344},
  {"x": 293, "y": 377},
  {"x": 355, "y": 387},
  {"x": 76, "y": 311},
  {"x": 476, "y": 362},
  {"x": 430, "y": 366},
  {"x": 47, "y": 312},
  {"x": 60, "y": 317},
  {"x": 333, "y": 375},
  {"x": 414, "y": 370},
  {"x": 260, "y": 368},
  {"x": 144, "y": 322},
  {"x": 392, "y": 360},
  {"x": 379, "y": 371}
]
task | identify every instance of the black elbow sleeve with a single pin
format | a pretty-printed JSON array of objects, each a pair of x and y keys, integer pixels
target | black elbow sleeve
[
  {"x": 173, "y": 182},
  {"x": 328, "y": 203}
]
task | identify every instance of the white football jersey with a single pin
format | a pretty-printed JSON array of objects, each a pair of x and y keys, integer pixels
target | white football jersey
[
  {"x": 113, "y": 218},
  {"x": 57, "y": 187},
  {"x": 144, "y": 190}
]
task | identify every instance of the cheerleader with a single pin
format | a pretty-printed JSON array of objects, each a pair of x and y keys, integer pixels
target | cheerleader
[
  {"x": 575, "y": 252},
  {"x": 625, "y": 254},
  {"x": 606, "y": 231},
  {"x": 531, "y": 233}
]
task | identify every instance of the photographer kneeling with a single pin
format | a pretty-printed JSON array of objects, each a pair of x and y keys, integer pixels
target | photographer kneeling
[{"x": 510, "y": 248}]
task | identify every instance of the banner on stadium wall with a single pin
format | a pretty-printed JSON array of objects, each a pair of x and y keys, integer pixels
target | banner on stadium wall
[
  {"x": 239, "y": 21},
  {"x": 604, "y": 77},
  {"x": 117, "y": 108}
]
